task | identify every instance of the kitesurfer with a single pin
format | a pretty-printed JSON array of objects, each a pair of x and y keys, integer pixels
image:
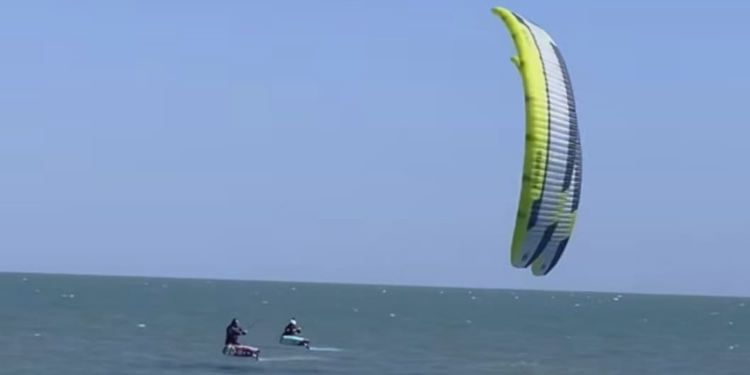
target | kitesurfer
[
  {"x": 234, "y": 331},
  {"x": 292, "y": 328}
]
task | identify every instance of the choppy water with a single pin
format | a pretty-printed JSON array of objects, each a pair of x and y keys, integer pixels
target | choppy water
[{"x": 52, "y": 324}]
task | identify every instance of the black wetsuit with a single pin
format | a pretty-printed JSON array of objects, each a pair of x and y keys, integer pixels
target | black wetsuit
[
  {"x": 234, "y": 331},
  {"x": 291, "y": 329}
]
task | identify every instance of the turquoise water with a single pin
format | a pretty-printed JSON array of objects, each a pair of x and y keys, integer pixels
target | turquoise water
[{"x": 52, "y": 324}]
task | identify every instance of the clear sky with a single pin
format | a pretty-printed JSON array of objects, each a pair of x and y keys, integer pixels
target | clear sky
[{"x": 367, "y": 141}]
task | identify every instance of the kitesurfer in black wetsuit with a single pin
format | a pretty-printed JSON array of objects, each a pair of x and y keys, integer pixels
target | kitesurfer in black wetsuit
[
  {"x": 234, "y": 331},
  {"x": 292, "y": 328}
]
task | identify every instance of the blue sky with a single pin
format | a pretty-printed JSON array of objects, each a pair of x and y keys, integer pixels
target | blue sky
[{"x": 367, "y": 141}]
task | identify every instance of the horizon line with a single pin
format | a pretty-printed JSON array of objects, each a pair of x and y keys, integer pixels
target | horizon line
[{"x": 673, "y": 294}]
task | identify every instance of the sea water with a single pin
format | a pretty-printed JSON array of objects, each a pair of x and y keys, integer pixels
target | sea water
[{"x": 52, "y": 324}]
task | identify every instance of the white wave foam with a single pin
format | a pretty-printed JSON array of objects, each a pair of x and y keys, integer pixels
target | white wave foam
[
  {"x": 289, "y": 359},
  {"x": 325, "y": 349}
]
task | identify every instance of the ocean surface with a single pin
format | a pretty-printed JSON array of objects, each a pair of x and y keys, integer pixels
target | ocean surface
[{"x": 78, "y": 325}]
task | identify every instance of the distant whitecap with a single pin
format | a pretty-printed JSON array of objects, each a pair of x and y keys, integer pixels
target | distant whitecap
[
  {"x": 141, "y": 325},
  {"x": 392, "y": 315},
  {"x": 264, "y": 302}
]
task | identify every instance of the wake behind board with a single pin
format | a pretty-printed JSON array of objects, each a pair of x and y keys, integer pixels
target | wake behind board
[
  {"x": 241, "y": 351},
  {"x": 294, "y": 340}
]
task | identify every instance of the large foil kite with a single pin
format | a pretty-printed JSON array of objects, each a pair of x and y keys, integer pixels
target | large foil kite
[{"x": 551, "y": 184}]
